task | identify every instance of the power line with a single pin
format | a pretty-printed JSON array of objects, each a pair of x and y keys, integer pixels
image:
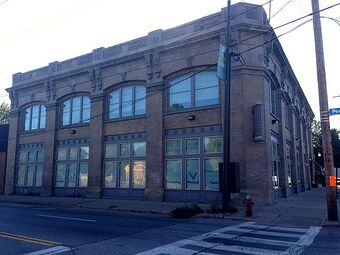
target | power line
[{"x": 288, "y": 2}]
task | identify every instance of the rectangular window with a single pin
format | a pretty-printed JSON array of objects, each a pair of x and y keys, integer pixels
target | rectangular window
[
  {"x": 138, "y": 174},
  {"x": 42, "y": 116},
  {"x": 273, "y": 100},
  {"x": 40, "y": 155},
  {"x": 60, "y": 175},
  {"x": 275, "y": 173},
  {"x": 61, "y": 153},
  {"x": 114, "y": 104},
  {"x": 38, "y": 175},
  {"x": 110, "y": 174},
  {"x": 192, "y": 170},
  {"x": 22, "y": 156},
  {"x": 211, "y": 173},
  {"x": 28, "y": 119},
  {"x": 86, "y": 110},
  {"x": 76, "y": 110},
  {"x": 140, "y": 100},
  {"x": 180, "y": 93},
  {"x": 31, "y": 156},
  {"x": 73, "y": 154},
  {"x": 84, "y": 152},
  {"x": 111, "y": 151},
  {"x": 192, "y": 146},
  {"x": 212, "y": 144},
  {"x": 21, "y": 175},
  {"x": 206, "y": 89},
  {"x": 35, "y": 117},
  {"x": 30, "y": 175},
  {"x": 173, "y": 174},
  {"x": 139, "y": 149},
  {"x": 127, "y": 101},
  {"x": 124, "y": 174},
  {"x": 72, "y": 175},
  {"x": 125, "y": 150},
  {"x": 173, "y": 147},
  {"x": 83, "y": 174},
  {"x": 66, "y": 112}
]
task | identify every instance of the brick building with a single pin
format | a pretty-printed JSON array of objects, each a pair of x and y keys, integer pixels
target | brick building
[{"x": 143, "y": 119}]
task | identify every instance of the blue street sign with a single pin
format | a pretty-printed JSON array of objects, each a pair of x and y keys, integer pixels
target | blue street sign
[{"x": 334, "y": 111}]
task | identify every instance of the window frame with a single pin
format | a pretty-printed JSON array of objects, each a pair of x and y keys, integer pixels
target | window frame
[
  {"x": 192, "y": 91},
  {"x": 120, "y": 102},
  {"x": 30, "y": 118},
  {"x": 70, "y": 115}
]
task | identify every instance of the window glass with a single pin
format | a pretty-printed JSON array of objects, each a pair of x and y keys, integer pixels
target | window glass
[
  {"x": 273, "y": 104},
  {"x": 38, "y": 175},
  {"x": 212, "y": 144},
  {"x": 22, "y": 156},
  {"x": 192, "y": 146},
  {"x": 127, "y": 102},
  {"x": 111, "y": 150},
  {"x": 125, "y": 150},
  {"x": 275, "y": 174},
  {"x": 84, "y": 152},
  {"x": 30, "y": 174},
  {"x": 114, "y": 104},
  {"x": 40, "y": 155},
  {"x": 76, "y": 104},
  {"x": 72, "y": 174},
  {"x": 31, "y": 156},
  {"x": 173, "y": 178},
  {"x": 289, "y": 174},
  {"x": 73, "y": 153},
  {"x": 86, "y": 110},
  {"x": 140, "y": 100},
  {"x": 173, "y": 147},
  {"x": 42, "y": 116},
  {"x": 110, "y": 174},
  {"x": 21, "y": 175},
  {"x": 62, "y": 152},
  {"x": 35, "y": 117},
  {"x": 211, "y": 173},
  {"x": 138, "y": 174},
  {"x": 60, "y": 175},
  {"x": 83, "y": 173},
  {"x": 66, "y": 112},
  {"x": 180, "y": 93},
  {"x": 124, "y": 173},
  {"x": 206, "y": 89},
  {"x": 192, "y": 174},
  {"x": 27, "y": 119},
  {"x": 139, "y": 149}
]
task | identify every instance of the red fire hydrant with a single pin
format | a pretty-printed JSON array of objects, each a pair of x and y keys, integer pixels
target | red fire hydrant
[{"x": 248, "y": 204}]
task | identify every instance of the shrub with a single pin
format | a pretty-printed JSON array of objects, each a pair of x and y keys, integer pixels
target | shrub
[
  {"x": 214, "y": 208},
  {"x": 186, "y": 211}
]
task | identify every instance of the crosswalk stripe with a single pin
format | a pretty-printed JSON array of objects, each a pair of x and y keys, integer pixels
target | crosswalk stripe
[
  {"x": 297, "y": 230},
  {"x": 263, "y": 232}
]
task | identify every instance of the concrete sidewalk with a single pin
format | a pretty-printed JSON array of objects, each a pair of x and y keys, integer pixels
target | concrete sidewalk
[{"x": 307, "y": 208}]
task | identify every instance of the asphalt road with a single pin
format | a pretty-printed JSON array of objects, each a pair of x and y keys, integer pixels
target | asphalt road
[{"x": 35, "y": 230}]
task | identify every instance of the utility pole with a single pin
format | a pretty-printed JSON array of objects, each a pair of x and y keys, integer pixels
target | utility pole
[
  {"x": 226, "y": 120},
  {"x": 332, "y": 210}
]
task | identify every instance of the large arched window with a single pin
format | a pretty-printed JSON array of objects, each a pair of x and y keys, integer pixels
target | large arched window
[
  {"x": 34, "y": 118},
  {"x": 191, "y": 91},
  {"x": 76, "y": 110},
  {"x": 127, "y": 101}
]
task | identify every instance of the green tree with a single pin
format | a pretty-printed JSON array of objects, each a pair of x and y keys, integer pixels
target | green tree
[
  {"x": 4, "y": 113},
  {"x": 317, "y": 144}
]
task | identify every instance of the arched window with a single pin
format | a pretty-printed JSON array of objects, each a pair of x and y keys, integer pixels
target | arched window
[
  {"x": 127, "y": 101},
  {"x": 194, "y": 91},
  {"x": 35, "y": 117},
  {"x": 76, "y": 110}
]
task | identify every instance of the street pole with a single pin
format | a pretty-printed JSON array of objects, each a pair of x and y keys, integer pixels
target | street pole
[
  {"x": 332, "y": 210},
  {"x": 226, "y": 120}
]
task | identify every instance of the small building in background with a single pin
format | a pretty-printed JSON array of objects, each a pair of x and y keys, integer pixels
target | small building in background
[{"x": 3, "y": 154}]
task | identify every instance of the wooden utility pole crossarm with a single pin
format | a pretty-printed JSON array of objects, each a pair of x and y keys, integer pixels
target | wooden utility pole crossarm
[{"x": 332, "y": 210}]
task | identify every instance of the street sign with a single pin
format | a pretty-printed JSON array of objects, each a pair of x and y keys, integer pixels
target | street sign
[{"x": 334, "y": 111}]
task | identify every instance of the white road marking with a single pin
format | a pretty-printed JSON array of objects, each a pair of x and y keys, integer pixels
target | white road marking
[
  {"x": 65, "y": 218},
  {"x": 203, "y": 246},
  {"x": 50, "y": 251}
]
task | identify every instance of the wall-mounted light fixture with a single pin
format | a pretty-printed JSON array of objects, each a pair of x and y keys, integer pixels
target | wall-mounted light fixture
[
  {"x": 72, "y": 132},
  {"x": 274, "y": 121},
  {"x": 191, "y": 117}
]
